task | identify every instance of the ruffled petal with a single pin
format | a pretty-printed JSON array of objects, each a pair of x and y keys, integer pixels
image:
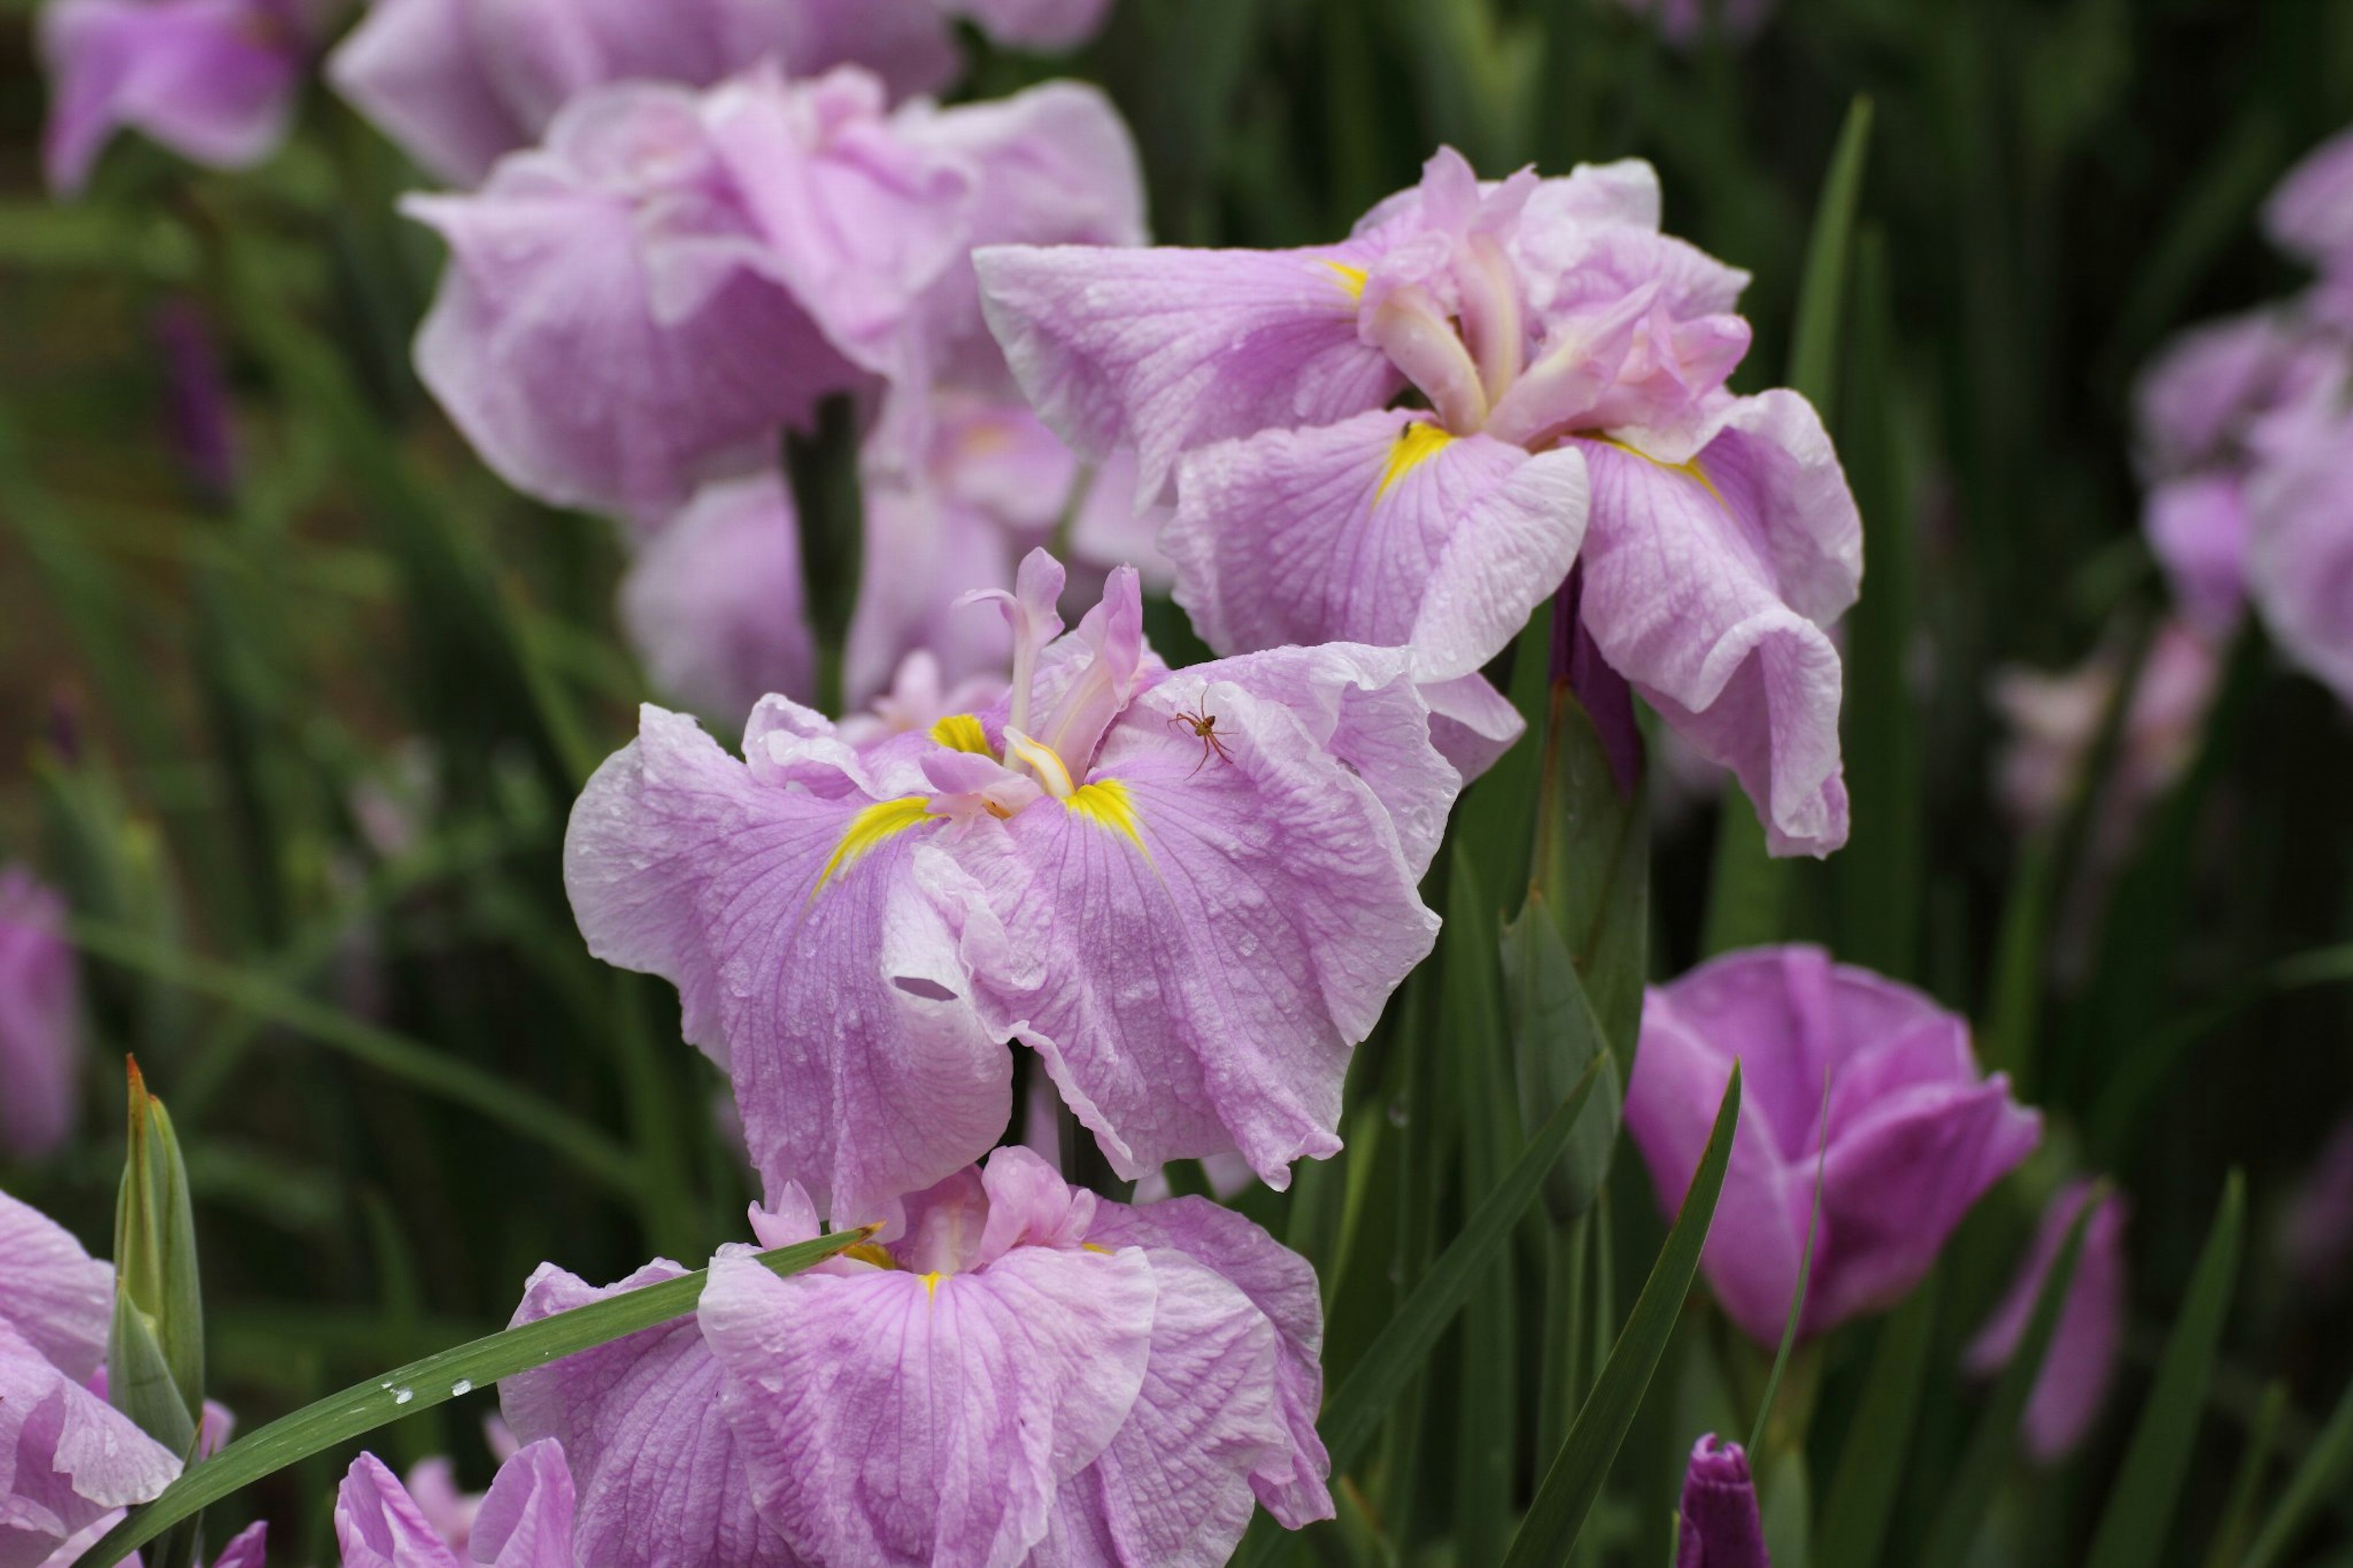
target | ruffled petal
[
  {"x": 53, "y": 1294},
  {"x": 1708, "y": 585},
  {"x": 1472, "y": 723},
  {"x": 891, "y": 1416},
  {"x": 212, "y": 79},
  {"x": 1164, "y": 351},
  {"x": 663, "y": 1482},
  {"x": 1381, "y": 528},
  {"x": 1197, "y": 938},
  {"x": 809, "y": 958}
]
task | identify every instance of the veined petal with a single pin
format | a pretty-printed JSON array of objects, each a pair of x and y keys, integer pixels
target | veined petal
[
  {"x": 662, "y": 1480},
  {"x": 526, "y": 1520},
  {"x": 1381, "y": 528},
  {"x": 891, "y": 1417},
  {"x": 1472, "y": 723},
  {"x": 809, "y": 961},
  {"x": 66, "y": 1457},
  {"x": 379, "y": 1525},
  {"x": 1165, "y": 349},
  {"x": 60, "y": 1298},
  {"x": 1197, "y": 939},
  {"x": 1708, "y": 585}
]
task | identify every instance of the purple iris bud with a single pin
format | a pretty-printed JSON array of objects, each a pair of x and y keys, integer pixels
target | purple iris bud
[
  {"x": 1719, "y": 1526},
  {"x": 2080, "y": 1364},
  {"x": 214, "y": 80},
  {"x": 1014, "y": 1371},
  {"x": 855, "y": 929},
  {"x": 41, "y": 1022},
  {"x": 202, "y": 419},
  {"x": 76, "y": 1461},
  {"x": 1915, "y": 1133},
  {"x": 1571, "y": 362}
]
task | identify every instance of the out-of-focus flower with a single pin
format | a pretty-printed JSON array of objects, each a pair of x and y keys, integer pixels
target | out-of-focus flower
[
  {"x": 214, "y": 80},
  {"x": 714, "y": 602},
  {"x": 462, "y": 83},
  {"x": 524, "y": 1520},
  {"x": 41, "y": 1023},
  {"x": 1684, "y": 23},
  {"x": 2300, "y": 564},
  {"x": 433, "y": 1486},
  {"x": 2318, "y": 1236},
  {"x": 2055, "y": 721},
  {"x": 73, "y": 1460},
  {"x": 1574, "y": 359},
  {"x": 1915, "y": 1135},
  {"x": 919, "y": 697},
  {"x": 202, "y": 424},
  {"x": 1719, "y": 1525},
  {"x": 1190, "y": 892},
  {"x": 2310, "y": 215},
  {"x": 2082, "y": 1360},
  {"x": 1014, "y": 1367}
]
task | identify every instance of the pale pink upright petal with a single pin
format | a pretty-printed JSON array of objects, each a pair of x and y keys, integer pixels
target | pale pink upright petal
[
  {"x": 714, "y": 602},
  {"x": 526, "y": 1520},
  {"x": 1381, "y": 528},
  {"x": 212, "y": 79},
  {"x": 889, "y": 1416},
  {"x": 1708, "y": 586},
  {"x": 809, "y": 958},
  {"x": 248, "y": 1548},
  {"x": 661, "y": 1479},
  {"x": 1162, "y": 351},
  {"x": 379, "y": 1524}
]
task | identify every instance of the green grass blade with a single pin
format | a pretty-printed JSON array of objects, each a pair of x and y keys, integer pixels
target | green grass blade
[
  {"x": 1822, "y": 291},
  {"x": 419, "y": 1387},
  {"x": 2319, "y": 1478},
  {"x": 1557, "y": 1515},
  {"x": 2147, "y": 1489},
  {"x": 1970, "y": 1496},
  {"x": 2239, "y": 1513},
  {"x": 1853, "y": 1523}
]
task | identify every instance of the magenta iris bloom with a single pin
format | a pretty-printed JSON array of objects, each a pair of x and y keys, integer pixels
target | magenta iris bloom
[
  {"x": 214, "y": 80},
  {"x": 1020, "y": 1373},
  {"x": 526, "y": 1520},
  {"x": 1573, "y": 361},
  {"x": 68, "y": 1460},
  {"x": 1915, "y": 1135},
  {"x": 2080, "y": 1364},
  {"x": 1718, "y": 1525},
  {"x": 41, "y": 1019},
  {"x": 1190, "y": 892}
]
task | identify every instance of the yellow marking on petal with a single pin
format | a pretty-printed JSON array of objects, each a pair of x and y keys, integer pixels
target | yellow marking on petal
[
  {"x": 962, "y": 732},
  {"x": 1689, "y": 469},
  {"x": 1107, "y": 803},
  {"x": 875, "y": 824},
  {"x": 1353, "y": 278},
  {"x": 867, "y": 1252},
  {"x": 1416, "y": 444},
  {"x": 1090, "y": 1247},
  {"x": 930, "y": 1284}
]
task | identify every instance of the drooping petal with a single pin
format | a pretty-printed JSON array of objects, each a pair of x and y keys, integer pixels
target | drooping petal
[
  {"x": 53, "y": 1294},
  {"x": 1173, "y": 1488},
  {"x": 2301, "y": 567},
  {"x": 891, "y": 1416},
  {"x": 713, "y": 602},
  {"x": 662, "y": 1478},
  {"x": 1289, "y": 1477},
  {"x": 412, "y": 68},
  {"x": 1381, "y": 528},
  {"x": 66, "y": 1457},
  {"x": 2080, "y": 1362},
  {"x": 379, "y": 1524},
  {"x": 1708, "y": 584},
  {"x": 1195, "y": 939},
  {"x": 1162, "y": 351},
  {"x": 1472, "y": 723},
  {"x": 808, "y": 958},
  {"x": 212, "y": 79},
  {"x": 608, "y": 333}
]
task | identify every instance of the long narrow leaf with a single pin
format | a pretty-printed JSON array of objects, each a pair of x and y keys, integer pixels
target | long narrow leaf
[
  {"x": 1871, "y": 1466},
  {"x": 1955, "y": 1532},
  {"x": 1557, "y": 1515},
  {"x": 1821, "y": 293},
  {"x": 422, "y": 1384},
  {"x": 2318, "y": 1478},
  {"x": 1805, "y": 1278},
  {"x": 2147, "y": 1489},
  {"x": 2239, "y": 1513}
]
